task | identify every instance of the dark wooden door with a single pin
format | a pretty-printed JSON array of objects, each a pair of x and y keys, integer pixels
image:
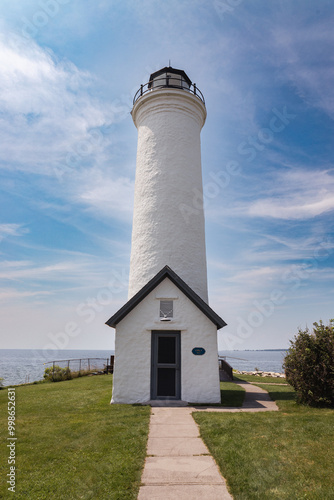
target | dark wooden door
[{"x": 166, "y": 365}]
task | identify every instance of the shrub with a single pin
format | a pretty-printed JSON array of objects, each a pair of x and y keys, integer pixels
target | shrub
[
  {"x": 309, "y": 365},
  {"x": 56, "y": 373},
  {"x": 81, "y": 373}
]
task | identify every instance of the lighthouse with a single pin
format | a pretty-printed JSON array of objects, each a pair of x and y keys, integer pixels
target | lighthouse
[
  {"x": 166, "y": 334},
  {"x": 168, "y": 229}
]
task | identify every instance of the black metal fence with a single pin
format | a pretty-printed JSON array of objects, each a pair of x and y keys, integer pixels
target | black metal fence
[
  {"x": 80, "y": 365},
  {"x": 225, "y": 369},
  {"x": 174, "y": 81}
]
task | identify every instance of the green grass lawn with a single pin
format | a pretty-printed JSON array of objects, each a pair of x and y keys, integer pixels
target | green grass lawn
[
  {"x": 231, "y": 394},
  {"x": 253, "y": 379},
  {"x": 72, "y": 444},
  {"x": 274, "y": 455}
]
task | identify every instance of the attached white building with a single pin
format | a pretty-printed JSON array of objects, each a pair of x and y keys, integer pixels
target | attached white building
[
  {"x": 166, "y": 344},
  {"x": 166, "y": 334}
]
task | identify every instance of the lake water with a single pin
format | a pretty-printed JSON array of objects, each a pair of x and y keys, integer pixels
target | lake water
[
  {"x": 267, "y": 361},
  {"x": 19, "y": 366}
]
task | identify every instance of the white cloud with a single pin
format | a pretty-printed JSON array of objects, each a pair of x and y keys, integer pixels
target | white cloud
[
  {"x": 12, "y": 294},
  {"x": 53, "y": 124},
  {"x": 47, "y": 106},
  {"x": 298, "y": 195},
  {"x": 12, "y": 230},
  {"x": 74, "y": 278},
  {"x": 111, "y": 197},
  {"x": 22, "y": 270},
  {"x": 254, "y": 275},
  {"x": 304, "y": 55},
  {"x": 293, "y": 209}
]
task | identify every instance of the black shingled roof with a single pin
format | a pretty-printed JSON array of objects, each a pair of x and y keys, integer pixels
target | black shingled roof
[{"x": 166, "y": 272}]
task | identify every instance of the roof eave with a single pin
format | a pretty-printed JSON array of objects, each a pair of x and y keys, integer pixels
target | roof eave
[{"x": 166, "y": 272}]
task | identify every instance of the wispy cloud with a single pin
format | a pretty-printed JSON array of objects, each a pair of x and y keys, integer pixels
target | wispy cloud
[
  {"x": 105, "y": 195},
  {"x": 70, "y": 163},
  {"x": 22, "y": 270},
  {"x": 47, "y": 106},
  {"x": 53, "y": 124},
  {"x": 304, "y": 53},
  {"x": 12, "y": 294},
  {"x": 12, "y": 230},
  {"x": 298, "y": 195},
  {"x": 82, "y": 273}
]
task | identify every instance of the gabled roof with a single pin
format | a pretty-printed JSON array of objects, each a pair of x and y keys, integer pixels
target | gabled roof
[{"x": 166, "y": 272}]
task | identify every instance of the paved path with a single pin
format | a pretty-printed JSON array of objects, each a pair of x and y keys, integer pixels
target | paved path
[
  {"x": 256, "y": 399},
  {"x": 178, "y": 465}
]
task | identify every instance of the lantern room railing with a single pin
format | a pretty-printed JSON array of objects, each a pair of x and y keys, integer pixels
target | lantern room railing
[{"x": 172, "y": 82}]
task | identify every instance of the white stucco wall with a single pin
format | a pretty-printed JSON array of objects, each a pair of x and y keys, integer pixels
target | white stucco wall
[
  {"x": 168, "y": 220},
  {"x": 132, "y": 369}
]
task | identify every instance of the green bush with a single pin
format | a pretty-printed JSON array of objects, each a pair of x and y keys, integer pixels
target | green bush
[
  {"x": 56, "y": 373},
  {"x": 309, "y": 365}
]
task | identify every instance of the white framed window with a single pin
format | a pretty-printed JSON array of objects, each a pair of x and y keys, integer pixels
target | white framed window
[{"x": 166, "y": 309}]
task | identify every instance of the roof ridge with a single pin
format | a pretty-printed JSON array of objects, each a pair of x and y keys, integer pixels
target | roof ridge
[{"x": 166, "y": 272}]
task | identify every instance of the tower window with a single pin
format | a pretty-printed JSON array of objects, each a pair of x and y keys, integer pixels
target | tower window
[{"x": 166, "y": 308}]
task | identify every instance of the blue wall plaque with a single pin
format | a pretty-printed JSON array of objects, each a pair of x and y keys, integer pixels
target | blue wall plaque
[{"x": 198, "y": 351}]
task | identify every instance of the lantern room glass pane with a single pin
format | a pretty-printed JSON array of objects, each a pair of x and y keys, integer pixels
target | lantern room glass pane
[{"x": 171, "y": 79}]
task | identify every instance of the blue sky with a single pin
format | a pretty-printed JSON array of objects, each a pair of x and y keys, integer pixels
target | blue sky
[{"x": 69, "y": 70}]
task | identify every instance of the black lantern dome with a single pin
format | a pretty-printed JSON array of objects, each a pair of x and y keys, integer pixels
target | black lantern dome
[{"x": 170, "y": 78}]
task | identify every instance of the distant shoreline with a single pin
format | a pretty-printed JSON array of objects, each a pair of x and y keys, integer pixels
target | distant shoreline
[
  {"x": 254, "y": 350},
  {"x": 20, "y": 366}
]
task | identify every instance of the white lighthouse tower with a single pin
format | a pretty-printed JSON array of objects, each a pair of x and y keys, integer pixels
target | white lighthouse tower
[
  {"x": 166, "y": 334},
  {"x": 169, "y": 114}
]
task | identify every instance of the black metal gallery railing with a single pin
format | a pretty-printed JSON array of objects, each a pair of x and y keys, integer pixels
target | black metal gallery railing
[{"x": 173, "y": 81}]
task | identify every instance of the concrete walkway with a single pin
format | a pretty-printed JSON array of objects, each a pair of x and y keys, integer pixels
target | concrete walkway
[
  {"x": 178, "y": 465},
  {"x": 256, "y": 399}
]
